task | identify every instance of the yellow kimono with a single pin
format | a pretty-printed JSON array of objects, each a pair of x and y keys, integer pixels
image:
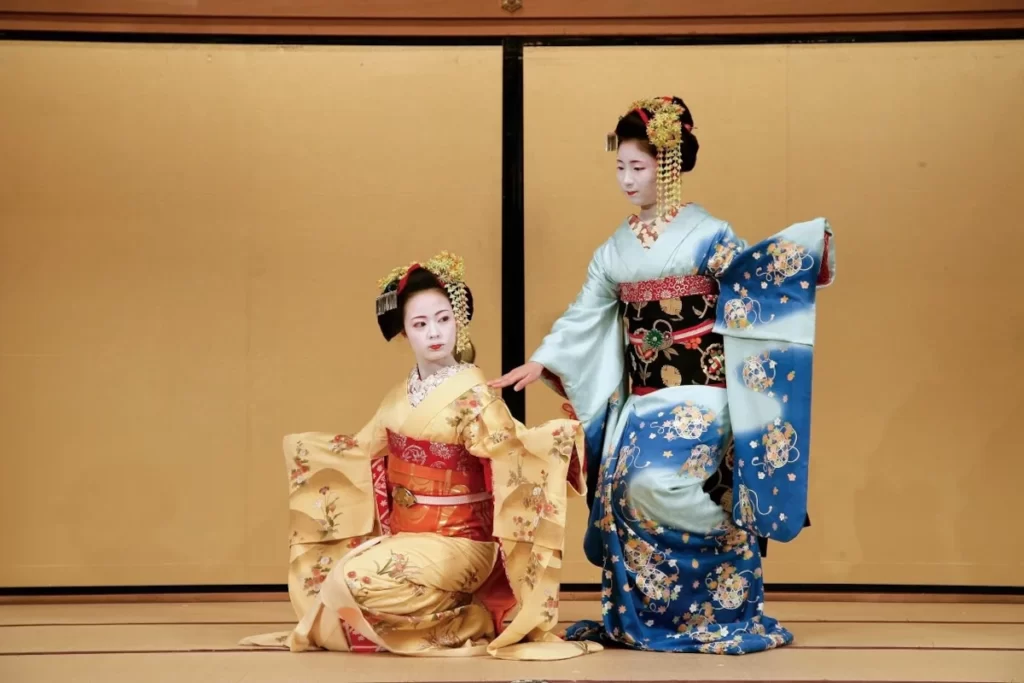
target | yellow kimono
[{"x": 418, "y": 535}]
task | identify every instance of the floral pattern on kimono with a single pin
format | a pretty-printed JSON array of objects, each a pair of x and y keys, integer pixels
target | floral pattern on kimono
[
  {"x": 688, "y": 476},
  {"x": 342, "y": 553}
]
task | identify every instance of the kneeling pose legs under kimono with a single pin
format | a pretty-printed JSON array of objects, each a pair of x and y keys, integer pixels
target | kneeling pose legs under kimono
[{"x": 443, "y": 516}]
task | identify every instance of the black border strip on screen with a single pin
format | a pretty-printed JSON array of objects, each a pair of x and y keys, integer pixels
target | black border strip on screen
[{"x": 513, "y": 223}]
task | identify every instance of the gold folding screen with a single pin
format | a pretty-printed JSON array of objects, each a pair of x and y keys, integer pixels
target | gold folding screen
[
  {"x": 192, "y": 237},
  {"x": 913, "y": 151}
]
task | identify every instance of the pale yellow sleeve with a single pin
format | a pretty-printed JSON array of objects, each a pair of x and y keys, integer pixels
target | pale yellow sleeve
[
  {"x": 331, "y": 502},
  {"x": 529, "y": 471}
]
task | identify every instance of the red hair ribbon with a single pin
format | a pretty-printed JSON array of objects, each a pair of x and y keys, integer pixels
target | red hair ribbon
[
  {"x": 405, "y": 278},
  {"x": 646, "y": 119}
]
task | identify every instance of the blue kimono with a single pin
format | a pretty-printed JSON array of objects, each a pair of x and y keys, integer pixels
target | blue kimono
[{"x": 688, "y": 358}]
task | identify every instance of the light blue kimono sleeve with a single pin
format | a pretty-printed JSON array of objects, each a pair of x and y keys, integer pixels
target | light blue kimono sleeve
[
  {"x": 766, "y": 315},
  {"x": 583, "y": 355}
]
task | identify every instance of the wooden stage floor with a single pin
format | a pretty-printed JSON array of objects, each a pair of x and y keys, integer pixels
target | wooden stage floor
[{"x": 151, "y": 642}]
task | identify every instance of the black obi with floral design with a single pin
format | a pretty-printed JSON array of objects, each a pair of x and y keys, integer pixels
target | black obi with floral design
[{"x": 669, "y": 325}]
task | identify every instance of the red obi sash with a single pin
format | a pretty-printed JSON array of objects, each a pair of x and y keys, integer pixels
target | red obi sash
[
  {"x": 443, "y": 456},
  {"x": 437, "y": 488}
]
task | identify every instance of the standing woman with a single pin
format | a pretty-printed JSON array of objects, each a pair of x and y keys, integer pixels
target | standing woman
[{"x": 687, "y": 356}]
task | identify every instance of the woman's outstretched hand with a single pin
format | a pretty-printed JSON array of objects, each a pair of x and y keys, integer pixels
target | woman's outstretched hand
[{"x": 521, "y": 377}]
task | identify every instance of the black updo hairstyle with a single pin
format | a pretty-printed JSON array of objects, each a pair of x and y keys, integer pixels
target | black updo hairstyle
[
  {"x": 632, "y": 127},
  {"x": 392, "y": 323}
]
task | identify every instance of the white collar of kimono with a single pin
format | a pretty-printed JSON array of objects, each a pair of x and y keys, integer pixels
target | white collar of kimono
[{"x": 419, "y": 388}]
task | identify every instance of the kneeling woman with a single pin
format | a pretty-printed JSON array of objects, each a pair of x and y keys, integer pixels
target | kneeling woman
[{"x": 419, "y": 534}]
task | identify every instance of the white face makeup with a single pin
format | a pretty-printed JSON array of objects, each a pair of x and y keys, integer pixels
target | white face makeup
[
  {"x": 637, "y": 172},
  {"x": 431, "y": 329}
]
